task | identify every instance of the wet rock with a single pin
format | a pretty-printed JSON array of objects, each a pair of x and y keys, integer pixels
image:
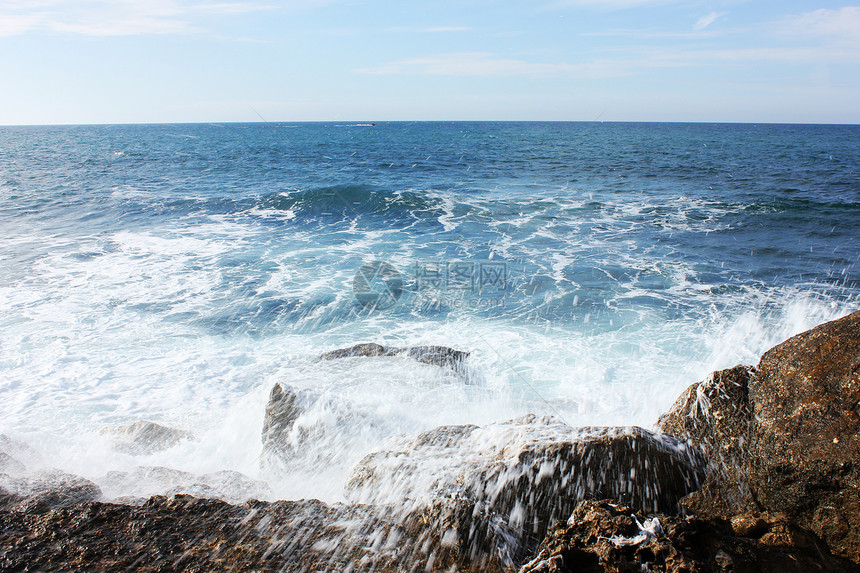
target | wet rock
[
  {"x": 805, "y": 448},
  {"x": 522, "y": 475},
  {"x": 362, "y": 349},
  {"x": 307, "y": 431},
  {"x": 198, "y": 490},
  {"x": 17, "y": 456},
  {"x": 236, "y": 487},
  {"x": 436, "y": 355},
  {"x": 9, "y": 465},
  {"x": 602, "y": 536},
  {"x": 784, "y": 437},
  {"x": 146, "y": 481},
  {"x": 715, "y": 416},
  {"x": 191, "y": 534},
  {"x": 284, "y": 407},
  {"x": 145, "y": 437},
  {"x": 48, "y": 489}
]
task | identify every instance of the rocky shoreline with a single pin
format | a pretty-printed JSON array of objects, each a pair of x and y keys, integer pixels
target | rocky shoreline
[{"x": 753, "y": 469}]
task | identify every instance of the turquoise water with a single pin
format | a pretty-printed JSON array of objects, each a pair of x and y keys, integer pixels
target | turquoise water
[{"x": 176, "y": 272}]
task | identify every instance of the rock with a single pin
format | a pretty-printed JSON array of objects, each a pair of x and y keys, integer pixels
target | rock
[
  {"x": 198, "y": 490},
  {"x": 309, "y": 432},
  {"x": 191, "y": 534},
  {"x": 284, "y": 407},
  {"x": 9, "y": 465},
  {"x": 144, "y": 437},
  {"x": 805, "y": 448},
  {"x": 146, "y": 481},
  {"x": 714, "y": 415},
  {"x": 236, "y": 487},
  {"x": 48, "y": 489},
  {"x": 16, "y": 457},
  {"x": 436, "y": 355},
  {"x": 604, "y": 536},
  {"x": 783, "y": 437},
  {"x": 362, "y": 349},
  {"x": 525, "y": 474}
]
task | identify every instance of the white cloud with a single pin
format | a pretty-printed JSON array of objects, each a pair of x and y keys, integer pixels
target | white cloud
[
  {"x": 841, "y": 26},
  {"x": 448, "y": 29},
  {"x": 707, "y": 20},
  {"x": 113, "y": 18},
  {"x": 15, "y": 24},
  {"x": 427, "y": 29},
  {"x": 609, "y": 4},
  {"x": 656, "y": 35},
  {"x": 485, "y": 64}
]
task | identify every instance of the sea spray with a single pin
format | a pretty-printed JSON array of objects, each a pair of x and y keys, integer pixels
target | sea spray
[{"x": 178, "y": 280}]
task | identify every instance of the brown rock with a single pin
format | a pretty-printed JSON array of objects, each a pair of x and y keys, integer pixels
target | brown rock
[
  {"x": 518, "y": 477},
  {"x": 183, "y": 533},
  {"x": 602, "y": 536},
  {"x": 45, "y": 490},
  {"x": 806, "y": 443},
  {"x": 784, "y": 437},
  {"x": 714, "y": 416}
]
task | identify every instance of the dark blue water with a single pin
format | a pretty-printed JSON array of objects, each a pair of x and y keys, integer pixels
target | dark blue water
[{"x": 593, "y": 269}]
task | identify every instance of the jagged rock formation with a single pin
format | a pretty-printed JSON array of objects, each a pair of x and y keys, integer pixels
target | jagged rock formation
[
  {"x": 184, "y": 533},
  {"x": 604, "y": 536},
  {"x": 308, "y": 431},
  {"x": 784, "y": 437},
  {"x": 714, "y": 416}
]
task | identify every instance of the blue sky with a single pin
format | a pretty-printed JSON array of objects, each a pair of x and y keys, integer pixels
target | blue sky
[{"x": 94, "y": 61}]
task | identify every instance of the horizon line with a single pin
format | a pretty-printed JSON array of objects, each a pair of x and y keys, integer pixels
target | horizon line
[{"x": 377, "y": 122}]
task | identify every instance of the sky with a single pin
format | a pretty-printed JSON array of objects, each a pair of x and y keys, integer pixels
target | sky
[{"x": 148, "y": 61}]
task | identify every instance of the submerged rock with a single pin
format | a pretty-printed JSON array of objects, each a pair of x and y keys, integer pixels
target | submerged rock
[
  {"x": 784, "y": 437},
  {"x": 436, "y": 355},
  {"x": 46, "y": 490},
  {"x": 601, "y": 536},
  {"x": 145, "y": 437},
  {"x": 9, "y": 465},
  {"x": 145, "y": 481},
  {"x": 17, "y": 457},
  {"x": 361, "y": 349}
]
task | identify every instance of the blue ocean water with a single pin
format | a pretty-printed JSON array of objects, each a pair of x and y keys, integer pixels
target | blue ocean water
[{"x": 176, "y": 272}]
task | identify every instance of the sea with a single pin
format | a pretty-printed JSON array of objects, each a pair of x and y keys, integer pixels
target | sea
[{"x": 175, "y": 273}]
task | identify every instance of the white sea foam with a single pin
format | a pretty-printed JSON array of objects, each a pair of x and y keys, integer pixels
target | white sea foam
[{"x": 160, "y": 325}]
